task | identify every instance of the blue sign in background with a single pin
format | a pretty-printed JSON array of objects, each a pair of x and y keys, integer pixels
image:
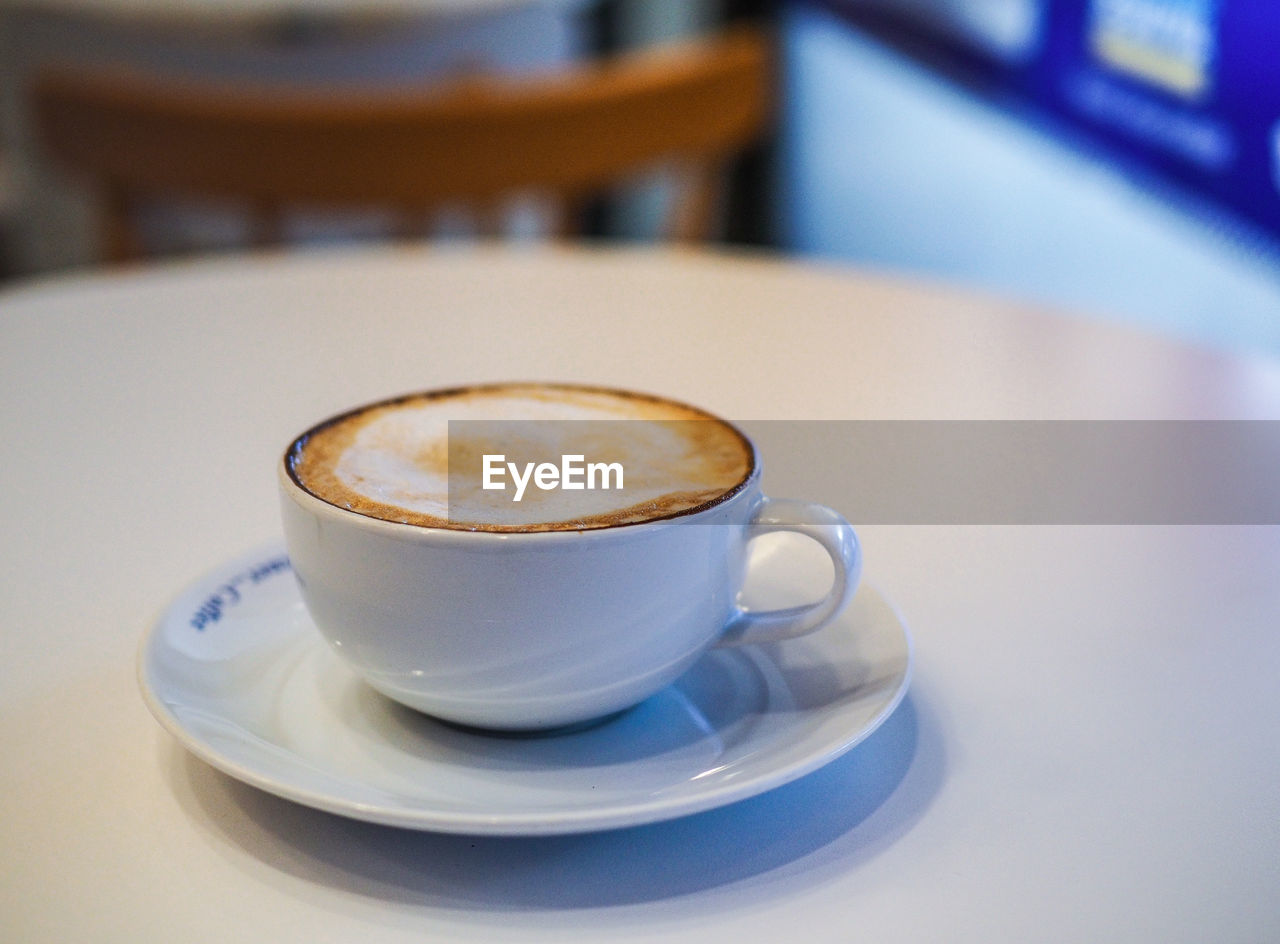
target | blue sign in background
[
  {"x": 1187, "y": 88},
  {"x": 1206, "y": 111}
]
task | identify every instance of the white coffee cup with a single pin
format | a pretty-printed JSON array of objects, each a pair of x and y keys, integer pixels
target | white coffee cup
[{"x": 538, "y": 630}]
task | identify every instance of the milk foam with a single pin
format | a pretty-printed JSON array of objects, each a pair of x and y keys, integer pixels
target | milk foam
[{"x": 392, "y": 461}]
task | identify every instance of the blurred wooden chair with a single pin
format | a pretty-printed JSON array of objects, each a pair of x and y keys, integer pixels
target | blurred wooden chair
[
  {"x": 10, "y": 211},
  {"x": 471, "y": 142}
]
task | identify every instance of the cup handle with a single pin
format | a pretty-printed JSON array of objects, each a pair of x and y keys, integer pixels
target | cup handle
[{"x": 836, "y": 535}]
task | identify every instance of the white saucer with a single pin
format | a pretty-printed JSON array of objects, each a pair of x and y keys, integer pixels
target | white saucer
[{"x": 235, "y": 670}]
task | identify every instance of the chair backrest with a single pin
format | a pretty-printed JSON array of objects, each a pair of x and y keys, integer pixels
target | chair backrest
[{"x": 472, "y": 141}]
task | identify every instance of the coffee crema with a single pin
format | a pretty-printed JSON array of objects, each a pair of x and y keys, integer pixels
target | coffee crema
[{"x": 402, "y": 461}]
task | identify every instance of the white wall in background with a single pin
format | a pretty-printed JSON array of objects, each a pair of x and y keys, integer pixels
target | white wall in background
[{"x": 887, "y": 164}]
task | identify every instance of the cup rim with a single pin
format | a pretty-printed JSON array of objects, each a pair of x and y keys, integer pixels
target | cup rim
[{"x": 307, "y": 499}]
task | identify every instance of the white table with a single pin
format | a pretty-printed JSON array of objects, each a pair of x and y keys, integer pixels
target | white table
[{"x": 1088, "y": 751}]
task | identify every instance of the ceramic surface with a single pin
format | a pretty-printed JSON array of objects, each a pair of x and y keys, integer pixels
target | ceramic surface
[
  {"x": 236, "y": 670},
  {"x": 535, "y": 631}
]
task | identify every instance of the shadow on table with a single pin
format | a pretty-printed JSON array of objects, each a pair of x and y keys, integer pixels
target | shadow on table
[{"x": 828, "y": 822}]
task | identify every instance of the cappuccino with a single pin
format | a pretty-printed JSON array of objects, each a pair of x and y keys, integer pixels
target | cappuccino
[{"x": 441, "y": 459}]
